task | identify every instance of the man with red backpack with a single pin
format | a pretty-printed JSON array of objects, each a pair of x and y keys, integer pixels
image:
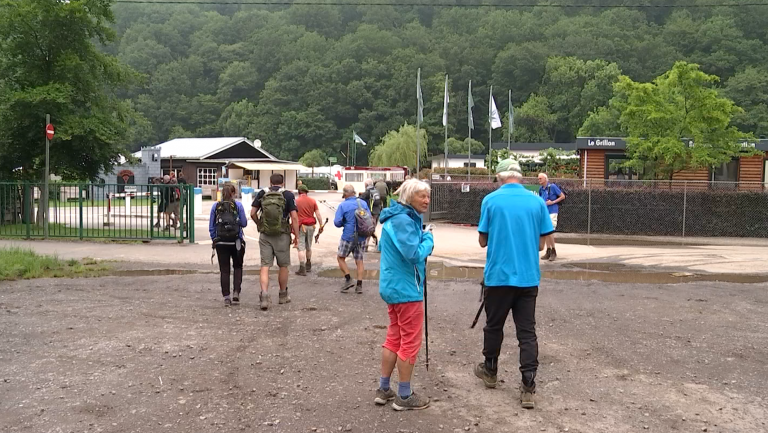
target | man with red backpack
[{"x": 354, "y": 215}]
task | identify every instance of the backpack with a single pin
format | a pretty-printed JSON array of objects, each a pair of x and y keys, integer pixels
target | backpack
[
  {"x": 363, "y": 221},
  {"x": 175, "y": 195},
  {"x": 375, "y": 198},
  {"x": 272, "y": 220},
  {"x": 227, "y": 221},
  {"x": 549, "y": 192}
]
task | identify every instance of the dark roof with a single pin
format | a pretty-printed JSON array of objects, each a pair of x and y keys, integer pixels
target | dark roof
[{"x": 534, "y": 146}]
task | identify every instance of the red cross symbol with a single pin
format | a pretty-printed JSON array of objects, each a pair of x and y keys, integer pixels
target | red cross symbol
[{"x": 338, "y": 174}]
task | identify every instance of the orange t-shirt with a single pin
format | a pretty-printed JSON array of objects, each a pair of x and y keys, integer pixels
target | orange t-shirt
[{"x": 306, "y": 207}]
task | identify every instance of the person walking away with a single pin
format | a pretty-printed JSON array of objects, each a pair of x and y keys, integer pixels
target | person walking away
[
  {"x": 165, "y": 200},
  {"x": 514, "y": 226},
  {"x": 160, "y": 205},
  {"x": 309, "y": 215},
  {"x": 552, "y": 195},
  {"x": 172, "y": 211},
  {"x": 226, "y": 229},
  {"x": 373, "y": 198},
  {"x": 274, "y": 211},
  {"x": 404, "y": 250},
  {"x": 383, "y": 189},
  {"x": 352, "y": 241}
]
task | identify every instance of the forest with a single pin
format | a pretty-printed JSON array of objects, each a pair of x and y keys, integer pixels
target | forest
[{"x": 301, "y": 77}]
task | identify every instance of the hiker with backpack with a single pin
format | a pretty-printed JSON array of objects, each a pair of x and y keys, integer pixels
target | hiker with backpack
[
  {"x": 405, "y": 246},
  {"x": 309, "y": 216},
  {"x": 275, "y": 213},
  {"x": 354, "y": 215},
  {"x": 552, "y": 195},
  {"x": 226, "y": 229},
  {"x": 374, "y": 200},
  {"x": 173, "y": 208}
]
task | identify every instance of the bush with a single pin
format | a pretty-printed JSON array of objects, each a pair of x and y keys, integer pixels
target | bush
[{"x": 316, "y": 183}]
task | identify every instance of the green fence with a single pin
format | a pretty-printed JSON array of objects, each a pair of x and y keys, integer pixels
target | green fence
[{"x": 97, "y": 211}]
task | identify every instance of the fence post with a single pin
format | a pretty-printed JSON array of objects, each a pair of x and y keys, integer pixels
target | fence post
[
  {"x": 182, "y": 199},
  {"x": 80, "y": 205},
  {"x": 152, "y": 211},
  {"x": 191, "y": 207},
  {"x": 27, "y": 207},
  {"x": 685, "y": 203},
  {"x": 589, "y": 213}
]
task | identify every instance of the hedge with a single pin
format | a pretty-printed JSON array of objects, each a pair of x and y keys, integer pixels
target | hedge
[{"x": 316, "y": 183}]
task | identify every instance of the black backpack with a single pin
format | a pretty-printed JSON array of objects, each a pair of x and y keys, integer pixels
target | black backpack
[{"x": 227, "y": 221}]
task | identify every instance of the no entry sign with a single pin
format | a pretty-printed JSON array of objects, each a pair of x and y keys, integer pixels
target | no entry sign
[{"x": 49, "y": 131}]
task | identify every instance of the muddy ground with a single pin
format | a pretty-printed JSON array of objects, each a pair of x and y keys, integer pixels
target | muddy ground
[{"x": 162, "y": 354}]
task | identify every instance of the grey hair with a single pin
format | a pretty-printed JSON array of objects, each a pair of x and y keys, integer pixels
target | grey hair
[
  {"x": 507, "y": 175},
  {"x": 545, "y": 176},
  {"x": 409, "y": 188},
  {"x": 369, "y": 182},
  {"x": 349, "y": 189}
]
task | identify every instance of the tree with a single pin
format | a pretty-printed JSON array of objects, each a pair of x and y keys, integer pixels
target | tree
[
  {"x": 399, "y": 148},
  {"x": 749, "y": 90},
  {"x": 678, "y": 108},
  {"x": 534, "y": 121},
  {"x": 314, "y": 158},
  {"x": 459, "y": 147},
  {"x": 50, "y": 64}
]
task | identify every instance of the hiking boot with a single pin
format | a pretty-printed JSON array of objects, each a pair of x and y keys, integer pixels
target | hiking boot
[
  {"x": 283, "y": 298},
  {"x": 553, "y": 255},
  {"x": 489, "y": 380},
  {"x": 302, "y": 271},
  {"x": 236, "y": 298},
  {"x": 526, "y": 396},
  {"x": 264, "y": 301},
  {"x": 547, "y": 255},
  {"x": 359, "y": 290},
  {"x": 382, "y": 397},
  {"x": 414, "y": 402},
  {"x": 347, "y": 285},
  {"x": 309, "y": 266},
  {"x": 227, "y": 302}
]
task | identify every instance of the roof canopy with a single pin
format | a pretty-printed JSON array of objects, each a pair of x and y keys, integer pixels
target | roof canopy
[
  {"x": 255, "y": 165},
  {"x": 201, "y": 148}
]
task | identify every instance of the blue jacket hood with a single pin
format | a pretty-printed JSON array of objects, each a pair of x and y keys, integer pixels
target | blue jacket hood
[{"x": 395, "y": 208}]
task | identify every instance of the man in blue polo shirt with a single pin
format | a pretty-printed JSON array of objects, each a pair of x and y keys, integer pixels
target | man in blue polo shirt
[
  {"x": 514, "y": 225},
  {"x": 552, "y": 195}
]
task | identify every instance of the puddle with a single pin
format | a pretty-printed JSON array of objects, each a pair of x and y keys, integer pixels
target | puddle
[
  {"x": 155, "y": 272},
  {"x": 604, "y": 272}
]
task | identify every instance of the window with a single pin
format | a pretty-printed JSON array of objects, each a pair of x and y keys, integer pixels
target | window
[
  {"x": 726, "y": 175},
  {"x": 206, "y": 176},
  {"x": 379, "y": 176},
  {"x": 470, "y": 164},
  {"x": 353, "y": 177},
  {"x": 615, "y": 170},
  {"x": 397, "y": 176}
]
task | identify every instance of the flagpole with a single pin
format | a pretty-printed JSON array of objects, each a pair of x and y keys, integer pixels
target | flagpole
[
  {"x": 469, "y": 140},
  {"x": 445, "y": 120},
  {"x": 490, "y": 130},
  {"x": 347, "y": 153},
  {"x": 418, "y": 124},
  {"x": 509, "y": 127}
]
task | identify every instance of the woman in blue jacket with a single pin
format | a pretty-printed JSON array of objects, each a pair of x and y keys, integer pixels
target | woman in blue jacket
[{"x": 404, "y": 248}]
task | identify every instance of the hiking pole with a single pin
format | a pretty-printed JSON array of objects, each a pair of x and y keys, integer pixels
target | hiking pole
[
  {"x": 482, "y": 304},
  {"x": 322, "y": 226},
  {"x": 426, "y": 315}
]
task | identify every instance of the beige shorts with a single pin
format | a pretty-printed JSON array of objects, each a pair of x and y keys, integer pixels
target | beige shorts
[
  {"x": 553, "y": 217},
  {"x": 275, "y": 247},
  {"x": 306, "y": 235}
]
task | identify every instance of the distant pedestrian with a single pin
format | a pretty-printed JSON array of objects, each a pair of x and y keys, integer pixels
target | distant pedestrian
[
  {"x": 274, "y": 211},
  {"x": 160, "y": 206},
  {"x": 351, "y": 241},
  {"x": 309, "y": 216},
  {"x": 225, "y": 226},
  {"x": 405, "y": 247},
  {"x": 552, "y": 195},
  {"x": 373, "y": 198},
  {"x": 514, "y": 226},
  {"x": 173, "y": 209},
  {"x": 383, "y": 189}
]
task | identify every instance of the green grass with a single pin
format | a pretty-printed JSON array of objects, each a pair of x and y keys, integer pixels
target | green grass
[
  {"x": 8, "y": 231},
  {"x": 23, "y": 264}
]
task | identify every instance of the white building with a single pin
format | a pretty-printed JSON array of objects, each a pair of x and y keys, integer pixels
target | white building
[{"x": 458, "y": 161}]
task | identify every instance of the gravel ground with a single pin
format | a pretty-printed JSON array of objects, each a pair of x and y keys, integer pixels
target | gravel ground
[{"x": 162, "y": 354}]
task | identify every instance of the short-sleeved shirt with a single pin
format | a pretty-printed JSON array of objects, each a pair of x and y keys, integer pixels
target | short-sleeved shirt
[
  {"x": 550, "y": 192},
  {"x": 290, "y": 200},
  {"x": 514, "y": 220},
  {"x": 306, "y": 206}
]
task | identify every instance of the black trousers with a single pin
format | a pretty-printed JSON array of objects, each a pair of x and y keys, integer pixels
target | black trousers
[
  {"x": 225, "y": 253},
  {"x": 499, "y": 301}
]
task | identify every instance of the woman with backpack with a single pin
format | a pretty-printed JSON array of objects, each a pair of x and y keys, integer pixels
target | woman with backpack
[
  {"x": 226, "y": 229},
  {"x": 405, "y": 245}
]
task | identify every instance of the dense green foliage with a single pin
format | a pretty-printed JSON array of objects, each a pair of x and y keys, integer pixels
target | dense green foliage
[{"x": 303, "y": 77}]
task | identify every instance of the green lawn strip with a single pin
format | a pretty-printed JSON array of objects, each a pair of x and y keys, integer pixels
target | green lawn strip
[
  {"x": 22, "y": 264},
  {"x": 61, "y": 230}
]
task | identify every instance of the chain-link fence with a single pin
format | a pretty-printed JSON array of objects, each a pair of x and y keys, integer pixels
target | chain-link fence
[
  {"x": 628, "y": 207},
  {"x": 100, "y": 211}
]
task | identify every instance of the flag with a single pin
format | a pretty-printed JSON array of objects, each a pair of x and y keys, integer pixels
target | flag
[
  {"x": 420, "y": 115},
  {"x": 470, "y": 104},
  {"x": 356, "y": 138},
  {"x": 511, "y": 115},
  {"x": 493, "y": 112},
  {"x": 445, "y": 103}
]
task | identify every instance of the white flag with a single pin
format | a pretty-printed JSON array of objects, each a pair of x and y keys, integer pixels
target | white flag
[
  {"x": 419, "y": 98},
  {"x": 493, "y": 113},
  {"x": 445, "y": 103},
  {"x": 356, "y": 138}
]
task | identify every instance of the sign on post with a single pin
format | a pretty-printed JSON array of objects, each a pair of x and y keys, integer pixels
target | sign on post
[
  {"x": 49, "y": 131},
  {"x": 332, "y": 159}
]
